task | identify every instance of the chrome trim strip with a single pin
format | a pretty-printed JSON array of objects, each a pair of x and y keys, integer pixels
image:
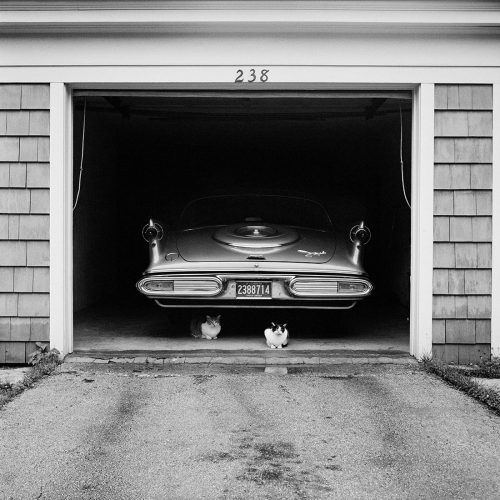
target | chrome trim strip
[
  {"x": 249, "y": 266},
  {"x": 199, "y": 282},
  {"x": 254, "y": 245},
  {"x": 326, "y": 293},
  {"x": 249, "y": 306},
  {"x": 314, "y": 283}
]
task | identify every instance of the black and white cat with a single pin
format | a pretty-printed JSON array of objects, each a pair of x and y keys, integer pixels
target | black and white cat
[
  {"x": 205, "y": 327},
  {"x": 276, "y": 336}
]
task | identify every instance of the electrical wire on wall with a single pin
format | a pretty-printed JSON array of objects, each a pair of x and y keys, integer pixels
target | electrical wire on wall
[
  {"x": 82, "y": 154},
  {"x": 401, "y": 156}
]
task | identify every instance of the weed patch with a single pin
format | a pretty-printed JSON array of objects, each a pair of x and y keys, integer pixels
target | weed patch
[
  {"x": 485, "y": 369},
  {"x": 461, "y": 380},
  {"x": 43, "y": 362}
]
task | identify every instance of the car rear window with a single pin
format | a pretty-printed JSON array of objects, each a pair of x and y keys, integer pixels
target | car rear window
[{"x": 225, "y": 210}]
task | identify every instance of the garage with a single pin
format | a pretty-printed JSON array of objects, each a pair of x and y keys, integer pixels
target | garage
[
  {"x": 179, "y": 106},
  {"x": 146, "y": 154}
]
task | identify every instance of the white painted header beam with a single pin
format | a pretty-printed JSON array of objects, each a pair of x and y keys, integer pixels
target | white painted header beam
[
  {"x": 221, "y": 77},
  {"x": 356, "y": 5}
]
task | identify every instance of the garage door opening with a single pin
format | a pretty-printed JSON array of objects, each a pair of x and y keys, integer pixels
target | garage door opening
[{"x": 147, "y": 155}]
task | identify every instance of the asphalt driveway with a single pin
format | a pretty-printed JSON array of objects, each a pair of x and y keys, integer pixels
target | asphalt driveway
[{"x": 187, "y": 432}]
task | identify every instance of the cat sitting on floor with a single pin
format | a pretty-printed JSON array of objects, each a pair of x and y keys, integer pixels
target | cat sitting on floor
[
  {"x": 207, "y": 327},
  {"x": 276, "y": 336}
]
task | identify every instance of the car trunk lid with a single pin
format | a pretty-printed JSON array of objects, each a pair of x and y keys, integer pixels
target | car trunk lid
[{"x": 264, "y": 242}]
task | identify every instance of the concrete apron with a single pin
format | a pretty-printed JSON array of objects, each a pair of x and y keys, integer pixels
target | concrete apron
[
  {"x": 255, "y": 358},
  {"x": 12, "y": 375}
]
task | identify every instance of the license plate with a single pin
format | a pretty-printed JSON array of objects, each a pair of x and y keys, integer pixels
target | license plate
[{"x": 260, "y": 289}]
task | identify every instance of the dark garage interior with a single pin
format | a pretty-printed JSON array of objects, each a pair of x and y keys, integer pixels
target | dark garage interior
[{"x": 146, "y": 155}]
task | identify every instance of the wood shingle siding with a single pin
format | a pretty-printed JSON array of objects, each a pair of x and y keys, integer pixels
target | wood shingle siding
[
  {"x": 462, "y": 260},
  {"x": 463, "y": 97},
  {"x": 462, "y": 285},
  {"x": 463, "y": 150},
  {"x": 24, "y": 220}
]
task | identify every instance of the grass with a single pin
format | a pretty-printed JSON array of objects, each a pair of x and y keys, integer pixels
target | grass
[
  {"x": 461, "y": 379},
  {"x": 485, "y": 369},
  {"x": 45, "y": 363}
]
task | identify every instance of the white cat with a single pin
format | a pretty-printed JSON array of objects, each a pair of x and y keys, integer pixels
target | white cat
[
  {"x": 276, "y": 336},
  {"x": 206, "y": 328}
]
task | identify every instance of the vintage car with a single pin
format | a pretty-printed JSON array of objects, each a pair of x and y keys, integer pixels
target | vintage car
[{"x": 255, "y": 251}]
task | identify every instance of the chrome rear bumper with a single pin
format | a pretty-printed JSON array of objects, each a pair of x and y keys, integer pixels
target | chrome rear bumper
[{"x": 221, "y": 288}]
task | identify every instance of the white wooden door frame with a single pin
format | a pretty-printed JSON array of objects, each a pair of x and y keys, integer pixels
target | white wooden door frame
[
  {"x": 495, "y": 264},
  {"x": 61, "y": 223},
  {"x": 422, "y": 235},
  {"x": 61, "y": 218}
]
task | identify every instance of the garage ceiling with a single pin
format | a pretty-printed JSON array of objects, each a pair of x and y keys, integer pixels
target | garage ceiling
[{"x": 277, "y": 105}]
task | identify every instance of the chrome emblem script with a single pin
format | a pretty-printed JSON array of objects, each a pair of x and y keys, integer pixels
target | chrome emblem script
[{"x": 312, "y": 254}]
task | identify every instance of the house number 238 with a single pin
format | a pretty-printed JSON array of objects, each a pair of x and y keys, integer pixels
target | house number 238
[{"x": 253, "y": 75}]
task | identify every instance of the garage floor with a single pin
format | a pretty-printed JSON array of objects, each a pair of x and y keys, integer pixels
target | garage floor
[{"x": 143, "y": 326}]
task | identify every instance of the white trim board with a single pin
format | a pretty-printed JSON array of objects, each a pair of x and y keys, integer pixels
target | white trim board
[
  {"x": 61, "y": 321},
  {"x": 354, "y": 5},
  {"x": 422, "y": 237},
  {"x": 379, "y": 16},
  {"x": 61, "y": 218},
  {"x": 495, "y": 292},
  {"x": 345, "y": 77}
]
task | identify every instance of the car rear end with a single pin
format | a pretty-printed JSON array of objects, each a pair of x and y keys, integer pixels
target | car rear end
[{"x": 256, "y": 290}]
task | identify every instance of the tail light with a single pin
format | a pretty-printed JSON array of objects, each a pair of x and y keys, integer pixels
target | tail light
[
  {"x": 159, "y": 286},
  {"x": 180, "y": 286},
  {"x": 353, "y": 287},
  {"x": 360, "y": 234},
  {"x": 152, "y": 231},
  {"x": 311, "y": 287},
  {"x": 329, "y": 287}
]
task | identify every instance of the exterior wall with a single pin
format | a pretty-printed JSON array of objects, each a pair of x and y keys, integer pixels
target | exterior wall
[
  {"x": 462, "y": 222},
  {"x": 24, "y": 219},
  {"x": 310, "y": 44}
]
